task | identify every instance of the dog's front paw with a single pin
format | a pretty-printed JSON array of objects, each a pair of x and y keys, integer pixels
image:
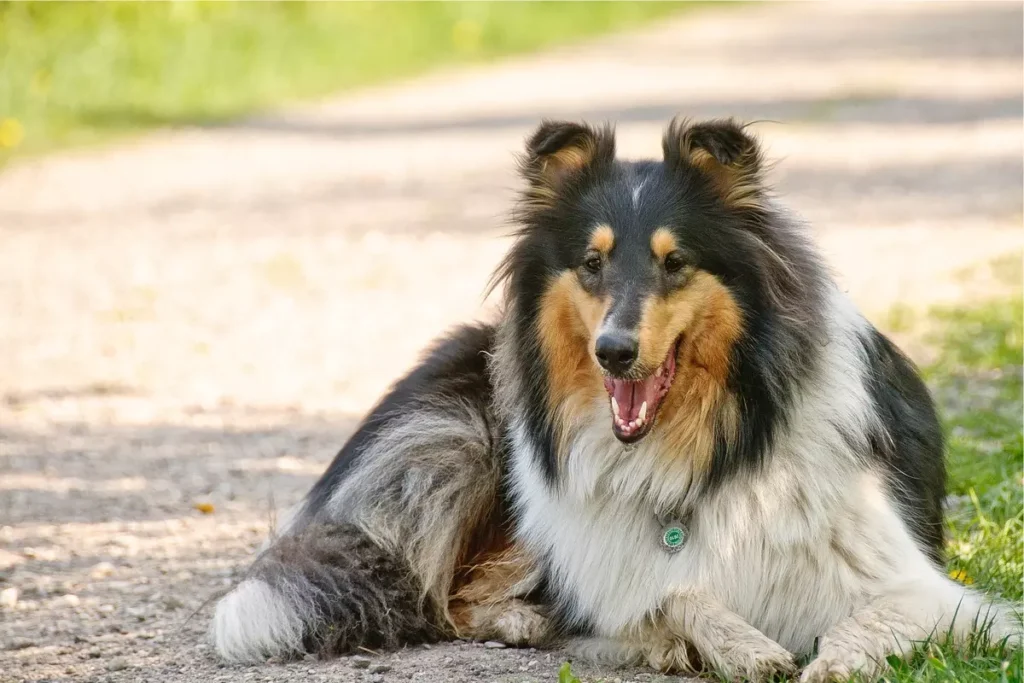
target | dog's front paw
[
  {"x": 840, "y": 664},
  {"x": 670, "y": 655},
  {"x": 754, "y": 657},
  {"x": 822, "y": 670}
]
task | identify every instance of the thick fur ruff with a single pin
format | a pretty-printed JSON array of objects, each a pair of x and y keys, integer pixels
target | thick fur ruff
[{"x": 671, "y": 346}]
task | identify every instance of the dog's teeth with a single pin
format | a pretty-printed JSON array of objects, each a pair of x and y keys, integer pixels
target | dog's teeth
[
  {"x": 643, "y": 412},
  {"x": 658, "y": 371},
  {"x": 615, "y": 407}
]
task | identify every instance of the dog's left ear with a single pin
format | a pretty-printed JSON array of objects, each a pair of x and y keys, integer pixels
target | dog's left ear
[
  {"x": 724, "y": 152},
  {"x": 559, "y": 151}
]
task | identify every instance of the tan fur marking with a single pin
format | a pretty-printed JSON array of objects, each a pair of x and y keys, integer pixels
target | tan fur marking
[
  {"x": 569, "y": 318},
  {"x": 698, "y": 405},
  {"x": 572, "y": 158},
  {"x": 493, "y": 574},
  {"x": 663, "y": 243},
  {"x": 555, "y": 167},
  {"x": 487, "y": 605},
  {"x": 602, "y": 239}
]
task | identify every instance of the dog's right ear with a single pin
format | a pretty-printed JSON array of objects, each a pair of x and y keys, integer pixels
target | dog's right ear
[{"x": 559, "y": 151}]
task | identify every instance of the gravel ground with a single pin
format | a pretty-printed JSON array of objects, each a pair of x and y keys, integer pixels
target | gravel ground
[{"x": 195, "y": 320}]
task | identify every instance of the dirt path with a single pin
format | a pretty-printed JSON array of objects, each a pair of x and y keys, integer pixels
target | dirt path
[{"x": 201, "y": 316}]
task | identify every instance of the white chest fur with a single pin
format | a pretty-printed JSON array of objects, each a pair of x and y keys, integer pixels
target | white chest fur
[
  {"x": 792, "y": 549},
  {"x": 791, "y": 552}
]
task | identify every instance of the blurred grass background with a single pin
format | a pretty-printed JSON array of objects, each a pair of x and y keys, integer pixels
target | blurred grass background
[{"x": 78, "y": 73}]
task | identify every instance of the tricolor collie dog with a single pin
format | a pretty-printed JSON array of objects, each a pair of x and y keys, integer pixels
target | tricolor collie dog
[{"x": 680, "y": 444}]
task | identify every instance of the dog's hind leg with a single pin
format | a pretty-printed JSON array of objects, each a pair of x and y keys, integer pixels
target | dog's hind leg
[
  {"x": 513, "y": 622},
  {"x": 375, "y": 567},
  {"x": 371, "y": 558},
  {"x": 896, "y": 623},
  {"x": 492, "y": 604}
]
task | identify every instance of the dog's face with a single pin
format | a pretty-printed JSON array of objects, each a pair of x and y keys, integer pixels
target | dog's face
[
  {"x": 644, "y": 270},
  {"x": 644, "y": 301}
]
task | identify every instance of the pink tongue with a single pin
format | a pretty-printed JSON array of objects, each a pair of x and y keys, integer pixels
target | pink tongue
[{"x": 630, "y": 396}]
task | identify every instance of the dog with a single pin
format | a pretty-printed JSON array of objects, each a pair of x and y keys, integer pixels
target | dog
[{"x": 679, "y": 444}]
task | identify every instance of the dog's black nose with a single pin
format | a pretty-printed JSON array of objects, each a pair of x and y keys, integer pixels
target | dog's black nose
[{"x": 616, "y": 351}]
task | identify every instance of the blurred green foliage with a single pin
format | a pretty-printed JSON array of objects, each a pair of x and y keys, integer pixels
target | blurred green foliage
[{"x": 73, "y": 73}]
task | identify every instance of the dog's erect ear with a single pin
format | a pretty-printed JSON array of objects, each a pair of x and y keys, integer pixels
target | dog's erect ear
[
  {"x": 724, "y": 152},
  {"x": 560, "y": 150}
]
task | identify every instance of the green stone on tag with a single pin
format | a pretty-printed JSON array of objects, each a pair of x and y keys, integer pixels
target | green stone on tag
[{"x": 673, "y": 537}]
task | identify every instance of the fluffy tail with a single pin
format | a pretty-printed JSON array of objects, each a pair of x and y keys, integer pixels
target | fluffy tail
[{"x": 330, "y": 590}]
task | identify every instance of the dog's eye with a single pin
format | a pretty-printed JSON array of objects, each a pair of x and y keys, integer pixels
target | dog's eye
[
  {"x": 593, "y": 263},
  {"x": 674, "y": 262}
]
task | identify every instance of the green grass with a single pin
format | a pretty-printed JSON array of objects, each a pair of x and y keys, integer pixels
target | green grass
[
  {"x": 75, "y": 73},
  {"x": 565, "y": 674},
  {"x": 977, "y": 382}
]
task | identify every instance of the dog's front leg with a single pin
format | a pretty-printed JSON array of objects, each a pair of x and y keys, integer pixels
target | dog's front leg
[
  {"x": 860, "y": 644},
  {"x": 894, "y": 624},
  {"x": 725, "y": 642}
]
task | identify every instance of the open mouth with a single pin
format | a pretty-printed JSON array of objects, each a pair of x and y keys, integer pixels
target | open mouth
[{"x": 635, "y": 403}]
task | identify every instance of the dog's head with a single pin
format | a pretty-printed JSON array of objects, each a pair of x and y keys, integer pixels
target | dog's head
[{"x": 641, "y": 278}]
